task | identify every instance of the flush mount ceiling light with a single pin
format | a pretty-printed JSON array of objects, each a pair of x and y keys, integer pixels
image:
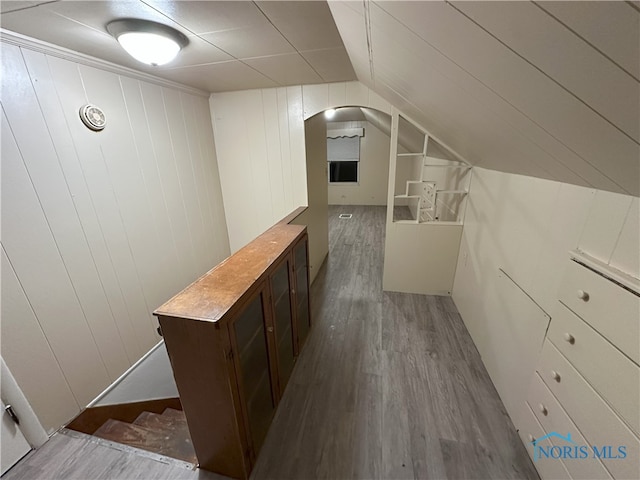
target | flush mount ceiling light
[
  {"x": 328, "y": 114},
  {"x": 148, "y": 42}
]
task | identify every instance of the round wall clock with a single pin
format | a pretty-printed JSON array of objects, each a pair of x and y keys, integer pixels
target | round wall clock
[{"x": 93, "y": 117}]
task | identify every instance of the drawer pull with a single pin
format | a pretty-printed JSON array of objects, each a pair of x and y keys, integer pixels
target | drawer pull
[
  {"x": 543, "y": 410},
  {"x": 569, "y": 338},
  {"x": 582, "y": 295},
  {"x": 555, "y": 375}
]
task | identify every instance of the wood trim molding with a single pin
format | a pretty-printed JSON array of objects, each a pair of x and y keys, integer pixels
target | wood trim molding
[{"x": 13, "y": 38}]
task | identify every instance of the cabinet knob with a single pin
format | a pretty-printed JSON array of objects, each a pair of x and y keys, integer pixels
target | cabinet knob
[
  {"x": 293, "y": 290},
  {"x": 555, "y": 375},
  {"x": 582, "y": 295},
  {"x": 569, "y": 338},
  {"x": 270, "y": 329},
  {"x": 543, "y": 410}
]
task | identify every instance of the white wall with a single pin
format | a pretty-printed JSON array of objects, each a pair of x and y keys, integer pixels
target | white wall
[
  {"x": 316, "y": 217},
  {"x": 526, "y": 226},
  {"x": 98, "y": 229},
  {"x": 374, "y": 168},
  {"x": 260, "y": 148}
]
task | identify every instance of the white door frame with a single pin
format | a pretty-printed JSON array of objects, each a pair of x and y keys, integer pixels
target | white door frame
[{"x": 30, "y": 428}]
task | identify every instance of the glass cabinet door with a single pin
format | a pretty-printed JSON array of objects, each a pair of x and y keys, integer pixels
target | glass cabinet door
[
  {"x": 302, "y": 291},
  {"x": 281, "y": 298},
  {"x": 255, "y": 377}
]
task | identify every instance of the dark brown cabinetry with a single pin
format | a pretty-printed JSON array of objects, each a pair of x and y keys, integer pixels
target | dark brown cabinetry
[{"x": 233, "y": 338}]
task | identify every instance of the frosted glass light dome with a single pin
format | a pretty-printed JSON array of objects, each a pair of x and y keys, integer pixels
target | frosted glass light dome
[
  {"x": 149, "y": 48},
  {"x": 148, "y": 42}
]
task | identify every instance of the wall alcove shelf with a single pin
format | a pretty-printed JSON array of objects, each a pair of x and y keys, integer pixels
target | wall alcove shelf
[
  {"x": 233, "y": 337},
  {"x": 430, "y": 185}
]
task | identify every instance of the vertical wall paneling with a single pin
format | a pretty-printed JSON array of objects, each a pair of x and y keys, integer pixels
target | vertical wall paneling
[
  {"x": 136, "y": 251},
  {"x": 285, "y": 148},
  {"x": 260, "y": 148},
  {"x": 99, "y": 228},
  {"x": 156, "y": 115},
  {"x": 98, "y": 175},
  {"x": 64, "y": 218},
  {"x": 24, "y": 341},
  {"x": 295, "y": 109},
  {"x": 625, "y": 255},
  {"x": 604, "y": 224},
  {"x": 526, "y": 227},
  {"x": 273, "y": 152},
  {"x": 32, "y": 250},
  {"x": 212, "y": 181},
  {"x": 197, "y": 171},
  {"x": 50, "y": 103},
  {"x": 180, "y": 149},
  {"x": 256, "y": 165}
]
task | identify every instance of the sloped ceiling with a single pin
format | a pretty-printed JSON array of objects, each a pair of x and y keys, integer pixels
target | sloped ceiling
[{"x": 545, "y": 89}]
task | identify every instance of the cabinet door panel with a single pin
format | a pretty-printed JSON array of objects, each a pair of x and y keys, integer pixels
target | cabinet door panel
[
  {"x": 282, "y": 310},
  {"x": 255, "y": 377},
  {"x": 302, "y": 292}
]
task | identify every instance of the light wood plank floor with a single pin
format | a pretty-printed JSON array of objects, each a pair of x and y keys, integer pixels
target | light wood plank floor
[{"x": 389, "y": 386}]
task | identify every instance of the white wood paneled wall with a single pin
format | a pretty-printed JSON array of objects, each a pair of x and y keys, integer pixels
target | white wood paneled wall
[
  {"x": 260, "y": 149},
  {"x": 98, "y": 229},
  {"x": 526, "y": 226}
]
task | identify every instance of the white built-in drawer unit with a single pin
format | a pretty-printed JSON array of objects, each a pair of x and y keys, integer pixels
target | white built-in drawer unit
[
  {"x": 587, "y": 382},
  {"x": 553, "y": 418},
  {"x": 612, "y": 374},
  {"x": 597, "y": 422},
  {"x": 606, "y": 306},
  {"x": 530, "y": 430}
]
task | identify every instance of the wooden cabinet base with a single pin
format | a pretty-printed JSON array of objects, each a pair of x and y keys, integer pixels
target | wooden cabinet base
[{"x": 232, "y": 338}]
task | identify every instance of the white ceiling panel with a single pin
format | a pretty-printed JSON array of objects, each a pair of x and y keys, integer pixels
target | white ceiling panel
[
  {"x": 255, "y": 41},
  {"x": 97, "y": 14},
  {"x": 218, "y": 31},
  {"x": 332, "y": 64},
  {"x": 307, "y": 25},
  {"x": 221, "y": 77},
  {"x": 611, "y": 27},
  {"x": 590, "y": 76},
  {"x": 283, "y": 68},
  {"x": 210, "y": 16},
  {"x": 11, "y": 6}
]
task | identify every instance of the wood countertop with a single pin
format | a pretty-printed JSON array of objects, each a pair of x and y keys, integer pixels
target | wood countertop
[{"x": 211, "y": 296}]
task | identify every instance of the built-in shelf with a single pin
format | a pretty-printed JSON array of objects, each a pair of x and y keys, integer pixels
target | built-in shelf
[{"x": 432, "y": 185}]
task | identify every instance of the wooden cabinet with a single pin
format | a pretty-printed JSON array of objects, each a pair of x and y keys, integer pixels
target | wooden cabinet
[
  {"x": 301, "y": 296},
  {"x": 233, "y": 338}
]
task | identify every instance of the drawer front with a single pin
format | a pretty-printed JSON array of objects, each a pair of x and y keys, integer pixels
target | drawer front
[
  {"x": 595, "y": 419},
  {"x": 554, "y": 419},
  {"x": 530, "y": 429},
  {"x": 610, "y": 373},
  {"x": 607, "y": 307}
]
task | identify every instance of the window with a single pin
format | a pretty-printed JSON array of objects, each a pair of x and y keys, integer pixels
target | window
[
  {"x": 343, "y": 155},
  {"x": 343, "y": 172}
]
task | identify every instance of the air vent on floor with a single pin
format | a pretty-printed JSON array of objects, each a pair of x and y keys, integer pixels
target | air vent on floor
[{"x": 345, "y": 215}]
